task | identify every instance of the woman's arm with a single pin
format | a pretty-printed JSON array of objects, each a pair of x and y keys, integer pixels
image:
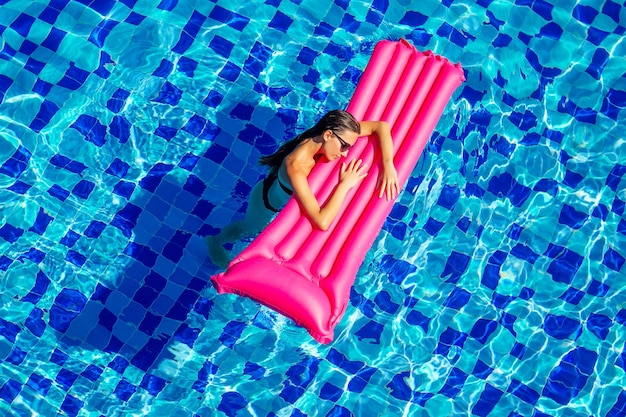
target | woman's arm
[
  {"x": 388, "y": 182},
  {"x": 351, "y": 174}
]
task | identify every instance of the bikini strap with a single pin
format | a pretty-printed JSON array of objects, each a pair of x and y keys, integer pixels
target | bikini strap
[
  {"x": 267, "y": 184},
  {"x": 286, "y": 189}
]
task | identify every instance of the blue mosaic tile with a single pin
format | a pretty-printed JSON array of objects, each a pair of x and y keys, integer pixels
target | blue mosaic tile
[
  {"x": 124, "y": 390},
  {"x": 16, "y": 356},
  {"x": 281, "y": 22},
  {"x": 10, "y": 233},
  {"x": 153, "y": 384},
  {"x": 39, "y": 383},
  {"x": 165, "y": 68},
  {"x": 59, "y": 357},
  {"x": 100, "y": 33},
  {"x": 619, "y": 407},
  {"x": 221, "y": 46},
  {"x": 65, "y": 379},
  {"x": 10, "y": 390},
  {"x": 330, "y": 392},
  {"x": 487, "y": 401},
  {"x": 124, "y": 189},
  {"x": 71, "y": 405},
  {"x": 187, "y": 66},
  {"x": 481, "y": 370},
  {"x": 613, "y": 260},
  {"x": 161, "y": 213},
  {"x": 76, "y": 258},
  {"x": 523, "y": 392},
  {"x": 120, "y": 128},
  {"x": 83, "y": 189},
  {"x": 572, "y": 296},
  {"x": 231, "y": 403},
  {"x": 398, "y": 387},
  {"x": 134, "y": 18},
  {"x": 169, "y": 94},
  {"x": 7, "y": 53},
  {"x": 201, "y": 127},
  {"x": 418, "y": 319},
  {"x": 483, "y": 329},
  {"x": 49, "y": 15},
  {"x": 457, "y": 299},
  {"x": 117, "y": 100},
  {"x": 34, "y": 323},
  {"x": 22, "y": 24},
  {"x": 205, "y": 372},
  {"x": 232, "y": 19},
  {"x": 167, "y": 5}
]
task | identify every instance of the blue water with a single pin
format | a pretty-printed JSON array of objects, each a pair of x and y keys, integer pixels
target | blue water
[{"x": 130, "y": 131}]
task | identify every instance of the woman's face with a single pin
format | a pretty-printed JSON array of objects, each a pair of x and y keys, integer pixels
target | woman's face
[{"x": 337, "y": 143}]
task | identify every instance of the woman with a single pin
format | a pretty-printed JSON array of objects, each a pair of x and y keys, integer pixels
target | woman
[{"x": 331, "y": 138}]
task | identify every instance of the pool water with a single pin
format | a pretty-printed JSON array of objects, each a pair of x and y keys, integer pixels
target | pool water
[{"x": 131, "y": 130}]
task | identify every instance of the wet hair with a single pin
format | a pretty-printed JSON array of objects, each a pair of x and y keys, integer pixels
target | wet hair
[{"x": 336, "y": 120}]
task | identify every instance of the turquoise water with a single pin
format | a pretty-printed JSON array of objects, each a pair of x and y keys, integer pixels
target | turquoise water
[{"x": 130, "y": 130}]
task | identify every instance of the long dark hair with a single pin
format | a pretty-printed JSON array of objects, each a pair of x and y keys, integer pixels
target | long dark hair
[{"x": 336, "y": 120}]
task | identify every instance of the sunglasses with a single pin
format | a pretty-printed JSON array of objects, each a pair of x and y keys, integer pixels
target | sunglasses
[{"x": 344, "y": 145}]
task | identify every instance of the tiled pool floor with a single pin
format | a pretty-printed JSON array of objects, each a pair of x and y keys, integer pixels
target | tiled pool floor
[{"x": 130, "y": 130}]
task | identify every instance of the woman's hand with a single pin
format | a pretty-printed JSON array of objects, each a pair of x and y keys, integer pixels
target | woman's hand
[
  {"x": 388, "y": 182},
  {"x": 352, "y": 173}
]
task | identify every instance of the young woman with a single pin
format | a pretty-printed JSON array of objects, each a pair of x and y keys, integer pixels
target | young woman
[{"x": 331, "y": 138}]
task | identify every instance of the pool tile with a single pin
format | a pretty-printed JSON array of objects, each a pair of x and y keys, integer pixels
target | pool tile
[{"x": 137, "y": 218}]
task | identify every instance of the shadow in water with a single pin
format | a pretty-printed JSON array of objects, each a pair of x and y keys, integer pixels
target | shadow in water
[
  {"x": 173, "y": 209},
  {"x": 167, "y": 269}
]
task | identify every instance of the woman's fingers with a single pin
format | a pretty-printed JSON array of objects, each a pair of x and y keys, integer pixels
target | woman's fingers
[
  {"x": 388, "y": 188},
  {"x": 359, "y": 169},
  {"x": 393, "y": 189},
  {"x": 384, "y": 188},
  {"x": 387, "y": 183},
  {"x": 353, "y": 171},
  {"x": 355, "y": 164}
]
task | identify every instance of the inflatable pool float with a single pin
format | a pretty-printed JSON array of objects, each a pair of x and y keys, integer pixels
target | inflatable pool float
[{"x": 305, "y": 273}]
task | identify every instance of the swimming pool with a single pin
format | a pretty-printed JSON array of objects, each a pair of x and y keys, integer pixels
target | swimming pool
[{"x": 130, "y": 130}]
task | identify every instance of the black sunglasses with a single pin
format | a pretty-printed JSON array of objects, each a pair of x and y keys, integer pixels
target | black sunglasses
[{"x": 344, "y": 145}]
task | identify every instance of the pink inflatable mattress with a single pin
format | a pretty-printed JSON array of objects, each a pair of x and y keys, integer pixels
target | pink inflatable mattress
[{"x": 305, "y": 273}]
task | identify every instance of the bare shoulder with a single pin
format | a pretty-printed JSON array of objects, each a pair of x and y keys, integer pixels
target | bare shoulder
[{"x": 297, "y": 167}]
